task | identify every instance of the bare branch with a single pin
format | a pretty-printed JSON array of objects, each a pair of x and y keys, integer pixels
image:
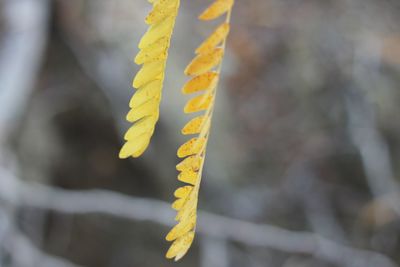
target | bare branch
[
  {"x": 363, "y": 127},
  {"x": 26, "y": 254},
  {"x": 134, "y": 208},
  {"x": 20, "y": 56},
  {"x": 22, "y": 250}
]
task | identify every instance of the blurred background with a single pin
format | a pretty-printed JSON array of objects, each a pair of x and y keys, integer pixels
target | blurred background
[{"x": 303, "y": 168}]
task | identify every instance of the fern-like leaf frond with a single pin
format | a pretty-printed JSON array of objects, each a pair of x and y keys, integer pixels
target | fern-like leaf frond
[
  {"x": 149, "y": 80},
  {"x": 205, "y": 71}
]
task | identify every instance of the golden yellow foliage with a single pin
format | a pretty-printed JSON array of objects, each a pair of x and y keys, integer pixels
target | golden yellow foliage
[
  {"x": 153, "y": 55},
  {"x": 205, "y": 70}
]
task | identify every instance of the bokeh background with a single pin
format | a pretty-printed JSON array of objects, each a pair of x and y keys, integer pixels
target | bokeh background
[{"x": 303, "y": 168}]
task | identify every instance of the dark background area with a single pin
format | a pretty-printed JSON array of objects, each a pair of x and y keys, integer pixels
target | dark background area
[{"x": 302, "y": 169}]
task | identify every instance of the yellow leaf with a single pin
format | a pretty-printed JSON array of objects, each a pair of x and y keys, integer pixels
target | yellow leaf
[
  {"x": 153, "y": 52},
  {"x": 157, "y": 31},
  {"x": 147, "y": 109},
  {"x": 216, "y": 38},
  {"x": 147, "y": 92},
  {"x": 149, "y": 72},
  {"x": 178, "y": 204},
  {"x": 202, "y": 82},
  {"x": 180, "y": 246},
  {"x": 189, "y": 208},
  {"x": 161, "y": 10},
  {"x": 189, "y": 177},
  {"x": 135, "y": 147},
  {"x": 198, "y": 103},
  {"x": 182, "y": 228},
  {"x": 191, "y": 147},
  {"x": 204, "y": 62},
  {"x": 209, "y": 57},
  {"x": 194, "y": 126},
  {"x": 190, "y": 163},
  {"x": 216, "y": 9},
  {"x": 183, "y": 192},
  {"x": 143, "y": 126}
]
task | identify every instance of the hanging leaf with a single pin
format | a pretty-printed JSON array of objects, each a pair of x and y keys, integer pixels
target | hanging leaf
[
  {"x": 149, "y": 80},
  {"x": 204, "y": 70}
]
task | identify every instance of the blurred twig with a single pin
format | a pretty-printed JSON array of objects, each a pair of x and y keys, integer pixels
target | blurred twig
[
  {"x": 26, "y": 254},
  {"x": 374, "y": 153},
  {"x": 363, "y": 127},
  {"x": 19, "y": 193},
  {"x": 20, "y": 56}
]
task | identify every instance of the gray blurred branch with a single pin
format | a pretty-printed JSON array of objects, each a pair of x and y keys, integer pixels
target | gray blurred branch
[
  {"x": 374, "y": 153},
  {"x": 363, "y": 128},
  {"x": 19, "y": 193},
  {"x": 21, "y": 54},
  {"x": 25, "y": 254}
]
